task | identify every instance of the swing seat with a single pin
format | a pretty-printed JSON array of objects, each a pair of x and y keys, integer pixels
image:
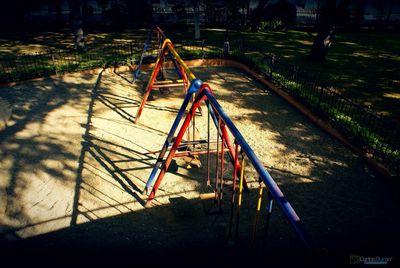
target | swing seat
[
  {"x": 168, "y": 81},
  {"x": 192, "y": 161},
  {"x": 165, "y": 91},
  {"x": 207, "y": 196},
  {"x": 150, "y": 58},
  {"x": 211, "y": 208}
]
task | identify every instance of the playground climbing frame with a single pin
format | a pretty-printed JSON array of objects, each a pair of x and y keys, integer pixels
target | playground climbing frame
[{"x": 198, "y": 93}]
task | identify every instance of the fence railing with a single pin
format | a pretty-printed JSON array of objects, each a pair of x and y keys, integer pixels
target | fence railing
[
  {"x": 372, "y": 133},
  {"x": 192, "y": 49},
  {"x": 54, "y": 62}
]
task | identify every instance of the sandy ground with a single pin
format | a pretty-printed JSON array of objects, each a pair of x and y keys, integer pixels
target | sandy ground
[{"x": 73, "y": 166}]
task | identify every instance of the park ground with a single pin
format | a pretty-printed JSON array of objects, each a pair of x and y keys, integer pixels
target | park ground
[
  {"x": 74, "y": 164},
  {"x": 362, "y": 65}
]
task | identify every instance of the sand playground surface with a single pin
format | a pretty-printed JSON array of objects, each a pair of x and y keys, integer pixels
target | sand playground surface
[{"x": 73, "y": 165}]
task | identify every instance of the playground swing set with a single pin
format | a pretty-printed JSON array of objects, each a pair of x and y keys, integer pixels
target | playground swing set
[{"x": 238, "y": 152}]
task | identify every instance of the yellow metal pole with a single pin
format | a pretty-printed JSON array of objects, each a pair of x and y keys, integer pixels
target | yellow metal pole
[
  {"x": 240, "y": 197},
  {"x": 178, "y": 58},
  {"x": 259, "y": 201}
]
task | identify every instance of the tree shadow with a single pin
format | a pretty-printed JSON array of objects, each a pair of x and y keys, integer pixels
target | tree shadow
[
  {"x": 114, "y": 151},
  {"x": 346, "y": 208},
  {"x": 178, "y": 232},
  {"x": 329, "y": 187},
  {"x": 28, "y": 146},
  {"x": 91, "y": 145}
]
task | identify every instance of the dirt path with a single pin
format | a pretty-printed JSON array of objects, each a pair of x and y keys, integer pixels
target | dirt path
[{"x": 73, "y": 165}]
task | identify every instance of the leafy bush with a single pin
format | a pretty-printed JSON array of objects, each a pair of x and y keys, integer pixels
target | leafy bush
[{"x": 273, "y": 25}]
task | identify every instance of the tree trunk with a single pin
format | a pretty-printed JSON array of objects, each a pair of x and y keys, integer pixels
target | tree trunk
[
  {"x": 75, "y": 21},
  {"x": 321, "y": 44},
  {"x": 317, "y": 13},
  {"x": 247, "y": 12},
  {"x": 389, "y": 11},
  {"x": 330, "y": 15},
  {"x": 254, "y": 24},
  {"x": 196, "y": 24},
  {"x": 196, "y": 18},
  {"x": 258, "y": 14},
  {"x": 59, "y": 12}
]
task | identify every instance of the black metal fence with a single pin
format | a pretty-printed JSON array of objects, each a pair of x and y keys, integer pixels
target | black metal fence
[
  {"x": 53, "y": 62},
  {"x": 201, "y": 49},
  {"x": 369, "y": 131}
]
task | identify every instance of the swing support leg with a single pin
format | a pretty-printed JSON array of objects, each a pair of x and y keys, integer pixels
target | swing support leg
[
  {"x": 239, "y": 206},
  {"x": 208, "y": 145},
  {"x": 268, "y": 219},
  {"x": 233, "y": 189},
  {"x": 165, "y": 165},
  {"x": 221, "y": 187},
  {"x": 150, "y": 86},
  {"x": 216, "y": 163},
  {"x": 194, "y": 87}
]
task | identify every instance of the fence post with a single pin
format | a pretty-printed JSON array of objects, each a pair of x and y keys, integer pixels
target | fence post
[
  {"x": 202, "y": 49},
  {"x": 226, "y": 49},
  {"x": 271, "y": 66},
  {"x": 131, "y": 50},
  {"x": 321, "y": 92},
  {"x": 54, "y": 62}
]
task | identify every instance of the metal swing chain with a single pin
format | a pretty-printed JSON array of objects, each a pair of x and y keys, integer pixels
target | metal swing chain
[
  {"x": 233, "y": 189},
  {"x": 268, "y": 219},
  {"x": 221, "y": 187},
  {"x": 208, "y": 145},
  {"x": 258, "y": 209},
  {"x": 216, "y": 162},
  {"x": 240, "y": 196}
]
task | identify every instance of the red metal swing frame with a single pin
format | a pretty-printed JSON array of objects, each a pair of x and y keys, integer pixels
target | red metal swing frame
[{"x": 185, "y": 73}]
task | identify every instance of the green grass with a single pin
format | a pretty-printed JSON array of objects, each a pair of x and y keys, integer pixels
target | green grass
[
  {"x": 363, "y": 66},
  {"x": 348, "y": 118}
]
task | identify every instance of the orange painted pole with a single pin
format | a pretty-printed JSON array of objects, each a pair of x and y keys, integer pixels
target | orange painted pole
[
  {"x": 239, "y": 206},
  {"x": 221, "y": 187},
  {"x": 233, "y": 189},
  {"x": 150, "y": 84},
  {"x": 187, "y": 74},
  {"x": 217, "y": 160}
]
